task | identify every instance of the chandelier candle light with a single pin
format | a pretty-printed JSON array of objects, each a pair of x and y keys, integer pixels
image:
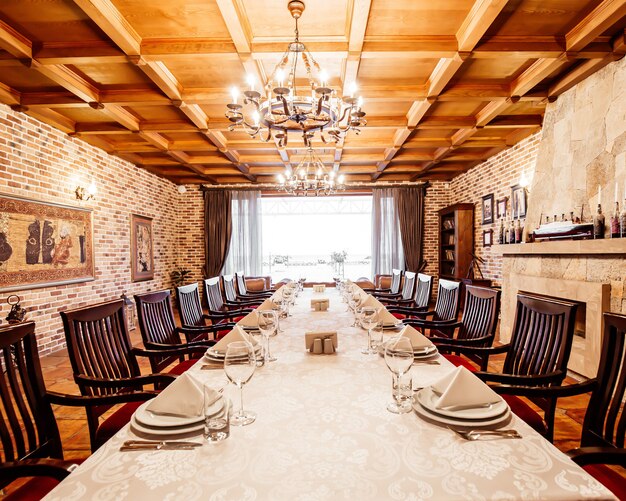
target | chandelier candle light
[{"x": 283, "y": 110}]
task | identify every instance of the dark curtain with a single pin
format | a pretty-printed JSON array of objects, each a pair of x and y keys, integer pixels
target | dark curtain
[
  {"x": 217, "y": 230},
  {"x": 410, "y": 206}
]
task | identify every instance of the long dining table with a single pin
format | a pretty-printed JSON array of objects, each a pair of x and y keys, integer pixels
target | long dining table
[{"x": 323, "y": 432}]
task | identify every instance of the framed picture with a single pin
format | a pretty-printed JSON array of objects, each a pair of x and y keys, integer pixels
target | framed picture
[
  {"x": 44, "y": 244},
  {"x": 487, "y": 238},
  {"x": 488, "y": 209},
  {"x": 518, "y": 201},
  {"x": 141, "y": 248},
  {"x": 501, "y": 207}
]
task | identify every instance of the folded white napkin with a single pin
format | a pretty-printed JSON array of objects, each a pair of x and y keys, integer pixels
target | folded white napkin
[
  {"x": 268, "y": 304},
  {"x": 461, "y": 387},
  {"x": 384, "y": 316},
  {"x": 372, "y": 302},
  {"x": 250, "y": 320},
  {"x": 418, "y": 340},
  {"x": 278, "y": 295},
  {"x": 237, "y": 334},
  {"x": 182, "y": 398}
]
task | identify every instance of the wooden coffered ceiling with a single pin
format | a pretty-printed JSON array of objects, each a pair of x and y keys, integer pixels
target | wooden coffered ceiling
[{"x": 446, "y": 83}]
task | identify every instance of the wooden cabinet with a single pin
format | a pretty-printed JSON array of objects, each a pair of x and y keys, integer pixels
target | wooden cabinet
[{"x": 456, "y": 240}]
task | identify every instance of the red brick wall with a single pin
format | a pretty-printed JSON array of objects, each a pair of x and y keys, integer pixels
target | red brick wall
[
  {"x": 437, "y": 197},
  {"x": 496, "y": 176},
  {"x": 191, "y": 234},
  {"x": 39, "y": 162}
]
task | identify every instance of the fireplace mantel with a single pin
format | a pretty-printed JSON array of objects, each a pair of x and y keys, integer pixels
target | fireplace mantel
[{"x": 608, "y": 246}]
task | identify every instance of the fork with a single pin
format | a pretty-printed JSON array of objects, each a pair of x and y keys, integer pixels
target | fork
[{"x": 472, "y": 435}]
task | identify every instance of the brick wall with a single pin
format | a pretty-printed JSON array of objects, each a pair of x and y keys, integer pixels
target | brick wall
[
  {"x": 437, "y": 197},
  {"x": 191, "y": 234},
  {"x": 41, "y": 163},
  {"x": 496, "y": 176}
]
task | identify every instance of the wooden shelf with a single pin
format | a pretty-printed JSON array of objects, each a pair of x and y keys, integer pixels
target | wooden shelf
[
  {"x": 462, "y": 217},
  {"x": 564, "y": 247}
]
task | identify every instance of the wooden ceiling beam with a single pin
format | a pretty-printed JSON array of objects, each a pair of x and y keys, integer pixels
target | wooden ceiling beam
[
  {"x": 417, "y": 111},
  {"x": 358, "y": 23},
  {"x": 14, "y": 42},
  {"x": 155, "y": 139},
  {"x": 10, "y": 96},
  {"x": 490, "y": 111},
  {"x": 480, "y": 17},
  {"x": 70, "y": 80},
  {"x": 578, "y": 74},
  {"x": 594, "y": 24},
  {"x": 80, "y": 52},
  {"x": 515, "y": 121},
  {"x": 161, "y": 76},
  {"x": 220, "y": 142},
  {"x": 54, "y": 119},
  {"x": 537, "y": 72},
  {"x": 186, "y": 46},
  {"x": 113, "y": 23},
  {"x": 121, "y": 116}
]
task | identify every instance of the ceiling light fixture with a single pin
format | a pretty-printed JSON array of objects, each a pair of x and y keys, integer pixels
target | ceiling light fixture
[
  {"x": 283, "y": 110},
  {"x": 311, "y": 178}
]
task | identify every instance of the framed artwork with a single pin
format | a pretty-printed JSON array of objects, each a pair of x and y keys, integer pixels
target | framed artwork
[
  {"x": 501, "y": 207},
  {"x": 141, "y": 248},
  {"x": 518, "y": 201},
  {"x": 488, "y": 209},
  {"x": 44, "y": 244},
  {"x": 487, "y": 238}
]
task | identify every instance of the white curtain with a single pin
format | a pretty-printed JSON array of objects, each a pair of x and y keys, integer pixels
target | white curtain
[
  {"x": 387, "y": 252},
  {"x": 245, "y": 241}
]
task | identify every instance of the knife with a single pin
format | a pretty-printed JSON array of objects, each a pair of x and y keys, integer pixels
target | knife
[
  {"x": 134, "y": 445},
  {"x": 463, "y": 407}
]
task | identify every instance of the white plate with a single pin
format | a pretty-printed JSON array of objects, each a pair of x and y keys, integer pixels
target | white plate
[
  {"x": 428, "y": 352},
  {"x": 428, "y": 399},
  {"x": 459, "y": 423},
  {"x": 220, "y": 355},
  {"x": 166, "y": 432},
  {"x": 146, "y": 418}
]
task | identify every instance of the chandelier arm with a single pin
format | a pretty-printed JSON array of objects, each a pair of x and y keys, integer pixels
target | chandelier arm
[{"x": 285, "y": 106}]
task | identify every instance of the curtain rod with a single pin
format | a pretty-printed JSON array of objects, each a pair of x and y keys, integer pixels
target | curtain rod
[{"x": 349, "y": 187}]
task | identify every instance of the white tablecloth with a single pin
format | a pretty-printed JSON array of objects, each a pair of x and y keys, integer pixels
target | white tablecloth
[{"x": 323, "y": 432}]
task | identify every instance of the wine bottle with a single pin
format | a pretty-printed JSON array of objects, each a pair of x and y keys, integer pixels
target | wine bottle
[
  {"x": 615, "y": 230},
  {"x": 622, "y": 220},
  {"x": 518, "y": 235},
  {"x": 501, "y": 232},
  {"x": 512, "y": 233},
  {"x": 598, "y": 224}
]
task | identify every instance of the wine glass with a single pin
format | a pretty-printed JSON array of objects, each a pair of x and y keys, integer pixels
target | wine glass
[
  {"x": 369, "y": 319},
  {"x": 239, "y": 365},
  {"x": 354, "y": 300},
  {"x": 268, "y": 322},
  {"x": 399, "y": 358}
]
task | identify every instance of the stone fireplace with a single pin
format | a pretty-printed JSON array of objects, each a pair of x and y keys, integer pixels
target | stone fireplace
[{"x": 571, "y": 271}]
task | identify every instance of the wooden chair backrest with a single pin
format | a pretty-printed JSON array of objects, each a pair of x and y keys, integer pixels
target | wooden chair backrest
[
  {"x": 241, "y": 283},
  {"x": 396, "y": 281},
  {"x": 157, "y": 324},
  {"x": 448, "y": 298},
  {"x": 480, "y": 314},
  {"x": 423, "y": 290},
  {"x": 541, "y": 340},
  {"x": 213, "y": 295},
  {"x": 27, "y": 425},
  {"x": 230, "y": 289},
  {"x": 98, "y": 344},
  {"x": 408, "y": 287},
  {"x": 605, "y": 420},
  {"x": 189, "y": 305}
]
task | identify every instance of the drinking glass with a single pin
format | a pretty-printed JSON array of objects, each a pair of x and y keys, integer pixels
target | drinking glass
[
  {"x": 268, "y": 322},
  {"x": 369, "y": 318},
  {"x": 376, "y": 336},
  {"x": 399, "y": 358},
  {"x": 239, "y": 366},
  {"x": 216, "y": 426},
  {"x": 354, "y": 300}
]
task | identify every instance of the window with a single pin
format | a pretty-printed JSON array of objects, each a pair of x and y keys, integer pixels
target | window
[{"x": 317, "y": 238}]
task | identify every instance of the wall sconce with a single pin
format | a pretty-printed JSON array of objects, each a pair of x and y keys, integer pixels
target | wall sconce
[{"x": 88, "y": 193}]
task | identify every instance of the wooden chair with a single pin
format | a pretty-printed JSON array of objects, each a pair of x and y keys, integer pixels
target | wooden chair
[
  {"x": 406, "y": 296},
  {"x": 105, "y": 364},
  {"x": 446, "y": 306},
  {"x": 31, "y": 445},
  {"x": 477, "y": 326},
  {"x": 244, "y": 293},
  {"x": 604, "y": 426},
  {"x": 396, "y": 283},
  {"x": 219, "y": 312},
  {"x": 537, "y": 355},
  {"x": 159, "y": 331},
  {"x": 229, "y": 288}
]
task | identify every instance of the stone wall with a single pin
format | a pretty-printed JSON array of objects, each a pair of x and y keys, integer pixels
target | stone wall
[{"x": 42, "y": 163}]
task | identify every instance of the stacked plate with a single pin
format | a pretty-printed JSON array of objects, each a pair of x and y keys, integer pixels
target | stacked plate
[
  {"x": 392, "y": 326},
  {"x": 150, "y": 423},
  {"x": 214, "y": 355},
  {"x": 418, "y": 353},
  {"x": 487, "y": 416},
  {"x": 250, "y": 329}
]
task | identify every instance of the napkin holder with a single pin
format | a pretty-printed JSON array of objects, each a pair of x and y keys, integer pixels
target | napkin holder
[
  {"x": 320, "y": 304},
  {"x": 319, "y": 288},
  {"x": 318, "y": 342}
]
